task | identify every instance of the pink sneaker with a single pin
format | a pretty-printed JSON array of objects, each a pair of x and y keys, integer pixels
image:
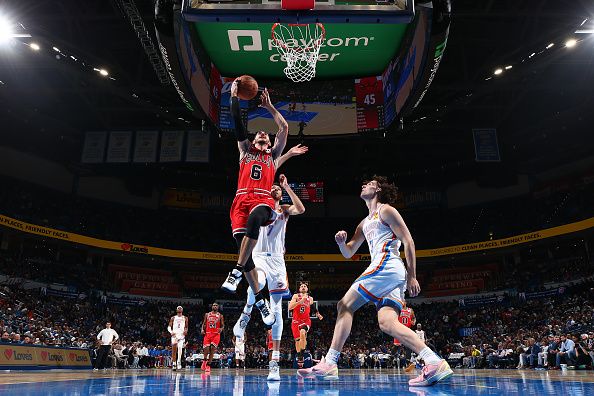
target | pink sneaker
[
  {"x": 432, "y": 373},
  {"x": 203, "y": 366},
  {"x": 325, "y": 370},
  {"x": 207, "y": 369},
  {"x": 309, "y": 372}
]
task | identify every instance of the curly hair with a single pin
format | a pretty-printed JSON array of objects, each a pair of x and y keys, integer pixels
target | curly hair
[{"x": 388, "y": 192}]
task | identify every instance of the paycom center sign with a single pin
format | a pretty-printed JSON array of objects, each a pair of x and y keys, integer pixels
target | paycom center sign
[{"x": 349, "y": 50}]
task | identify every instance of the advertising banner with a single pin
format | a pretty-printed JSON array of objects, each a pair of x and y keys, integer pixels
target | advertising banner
[
  {"x": 480, "y": 301},
  {"x": 248, "y": 48},
  {"x": 23, "y": 357}
]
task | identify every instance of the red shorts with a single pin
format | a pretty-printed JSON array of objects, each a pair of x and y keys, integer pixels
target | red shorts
[
  {"x": 211, "y": 339},
  {"x": 396, "y": 342},
  {"x": 244, "y": 203},
  {"x": 296, "y": 327}
]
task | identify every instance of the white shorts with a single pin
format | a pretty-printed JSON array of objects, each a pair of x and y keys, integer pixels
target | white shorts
[
  {"x": 240, "y": 352},
  {"x": 383, "y": 283},
  {"x": 177, "y": 338},
  {"x": 273, "y": 266}
]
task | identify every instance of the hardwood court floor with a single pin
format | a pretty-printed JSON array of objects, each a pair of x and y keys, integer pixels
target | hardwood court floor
[{"x": 253, "y": 383}]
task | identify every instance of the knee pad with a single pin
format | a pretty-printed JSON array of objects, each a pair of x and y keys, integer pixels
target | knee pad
[
  {"x": 249, "y": 264},
  {"x": 258, "y": 217}
]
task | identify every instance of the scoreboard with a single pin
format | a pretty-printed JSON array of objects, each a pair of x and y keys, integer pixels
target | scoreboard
[
  {"x": 369, "y": 93},
  {"x": 307, "y": 192}
]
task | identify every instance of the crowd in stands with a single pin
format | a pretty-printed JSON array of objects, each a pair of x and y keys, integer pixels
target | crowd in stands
[
  {"x": 510, "y": 333},
  {"x": 183, "y": 229}
]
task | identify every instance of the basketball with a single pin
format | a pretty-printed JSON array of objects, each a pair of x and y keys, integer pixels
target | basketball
[{"x": 247, "y": 88}]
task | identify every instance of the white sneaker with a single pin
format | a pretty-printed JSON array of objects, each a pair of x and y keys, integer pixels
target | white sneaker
[
  {"x": 241, "y": 324},
  {"x": 267, "y": 316},
  {"x": 233, "y": 279},
  {"x": 273, "y": 372},
  {"x": 173, "y": 367}
]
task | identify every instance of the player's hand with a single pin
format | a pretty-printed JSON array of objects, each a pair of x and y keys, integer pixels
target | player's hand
[
  {"x": 413, "y": 287},
  {"x": 320, "y": 317},
  {"x": 340, "y": 237},
  {"x": 234, "y": 87},
  {"x": 297, "y": 150},
  {"x": 282, "y": 179},
  {"x": 202, "y": 332},
  {"x": 265, "y": 98}
]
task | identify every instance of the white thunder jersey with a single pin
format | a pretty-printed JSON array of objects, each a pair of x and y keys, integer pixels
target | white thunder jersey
[
  {"x": 382, "y": 242},
  {"x": 179, "y": 324},
  {"x": 272, "y": 237}
]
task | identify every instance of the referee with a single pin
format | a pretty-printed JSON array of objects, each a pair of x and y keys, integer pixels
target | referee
[{"x": 106, "y": 338}]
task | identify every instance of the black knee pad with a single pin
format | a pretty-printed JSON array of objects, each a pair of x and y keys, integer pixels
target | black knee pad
[
  {"x": 249, "y": 264},
  {"x": 258, "y": 217},
  {"x": 238, "y": 238}
]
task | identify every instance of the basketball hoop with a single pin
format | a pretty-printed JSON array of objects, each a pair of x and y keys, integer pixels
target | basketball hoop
[{"x": 299, "y": 45}]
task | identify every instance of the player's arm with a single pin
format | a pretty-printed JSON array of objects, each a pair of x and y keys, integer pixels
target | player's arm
[
  {"x": 297, "y": 208},
  {"x": 318, "y": 314},
  {"x": 170, "y": 327},
  {"x": 391, "y": 216},
  {"x": 233, "y": 340},
  {"x": 293, "y": 152},
  {"x": 204, "y": 324},
  {"x": 280, "y": 141},
  {"x": 186, "y": 326},
  {"x": 348, "y": 249},
  {"x": 413, "y": 319},
  {"x": 222, "y": 324},
  {"x": 294, "y": 302},
  {"x": 241, "y": 132}
]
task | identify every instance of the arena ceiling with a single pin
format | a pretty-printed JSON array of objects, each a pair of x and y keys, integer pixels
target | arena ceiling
[{"x": 541, "y": 107}]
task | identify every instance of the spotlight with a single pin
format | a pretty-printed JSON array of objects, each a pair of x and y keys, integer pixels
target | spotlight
[
  {"x": 570, "y": 43},
  {"x": 531, "y": 55},
  {"x": 103, "y": 72},
  {"x": 550, "y": 45},
  {"x": 498, "y": 71},
  {"x": 35, "y": 46},
  {"x": 56, "y": 49},
  {"x": 6, "y": 31},
  {"x": 508, "y": 67}
]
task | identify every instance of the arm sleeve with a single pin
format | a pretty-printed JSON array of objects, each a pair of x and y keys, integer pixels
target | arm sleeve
[
  {"x": 99, "y": 335},
  {"x": 240, "y": 129}
]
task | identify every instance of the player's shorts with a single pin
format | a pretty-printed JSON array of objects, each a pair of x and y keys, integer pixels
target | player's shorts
[
  {"x": 176, "y": 338},
  {"x": 397, "y": 342},
  {"x": 297, "y": 326},
  {"x": 383, "y": 283},
  {"x": 211, "y": 339},
  {"x": 244, "y": 203},
  {"x": 273, "y": 266},
  {"x": 240, "y": 352}
]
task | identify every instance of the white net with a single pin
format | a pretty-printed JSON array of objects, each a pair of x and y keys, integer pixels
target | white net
[{"x": 299, "y": 46}]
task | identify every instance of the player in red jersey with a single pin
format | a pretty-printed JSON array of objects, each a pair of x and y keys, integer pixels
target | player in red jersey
[
  {"x": 212, "y": 326},
  {"x": 301, "y": 304},
  {"x": 253, "y": 206},
  {"x": 407, "y": 318},
  {"x": 269, "y": 343}
]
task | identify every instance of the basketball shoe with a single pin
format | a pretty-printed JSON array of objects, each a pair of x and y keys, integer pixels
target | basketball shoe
[
  {"x": 233, "y": 279},
  {"x": 431, "y": 374}
]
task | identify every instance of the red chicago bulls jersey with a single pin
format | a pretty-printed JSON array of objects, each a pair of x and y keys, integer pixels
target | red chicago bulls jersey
[
  {"x": 301, "y": 311},
  {"x": 269, "y": 340},
  {"x": 406, "y": 317},
  {"x": 213, "y": 322},
  {"x": 256, "y": 171}
]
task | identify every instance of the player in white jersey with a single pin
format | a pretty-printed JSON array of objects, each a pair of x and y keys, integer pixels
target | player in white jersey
[
  {"x": 239, "y": 343},
  {"x": 382, "y": 283},
  {"x": 268, "y": 256},
  {"x": 178, "y": 328}
]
